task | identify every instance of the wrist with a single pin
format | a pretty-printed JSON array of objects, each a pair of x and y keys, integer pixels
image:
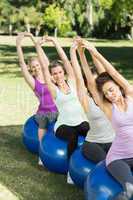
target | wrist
[
  {"x": 54, "y": 41},
  {"x": 18, "y": 43}
]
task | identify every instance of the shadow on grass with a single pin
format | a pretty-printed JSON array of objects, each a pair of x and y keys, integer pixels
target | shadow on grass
[
  {"x": 121, "y": 58},
  {"x": 20, "y": 173}
]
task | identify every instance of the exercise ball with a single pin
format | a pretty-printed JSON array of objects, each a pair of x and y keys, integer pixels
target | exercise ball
[
  {"x": 81, "y": 140},
  {"x": 53, "y": 153},
  {"x": 30, "y": 134},
  {"x": 79, "y": 168},
  {"x": 100, "y": 185}
]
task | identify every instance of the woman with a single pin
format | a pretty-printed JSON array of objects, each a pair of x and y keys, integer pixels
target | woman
[
  {"x": 72, "y": 120},
  {"x": 118, "y": 106},
  {"x": 47, "y": 111},
  {"x": 101, "y": 134}
]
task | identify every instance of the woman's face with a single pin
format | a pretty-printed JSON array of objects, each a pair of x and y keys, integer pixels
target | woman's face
[
  {"x": 111, "y": 91},
  {"x": 58, "y": 74},
  {"x": 35, "y": 66}
]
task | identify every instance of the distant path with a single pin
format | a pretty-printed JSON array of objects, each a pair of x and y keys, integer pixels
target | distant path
[{"x": 6, "y": 194}]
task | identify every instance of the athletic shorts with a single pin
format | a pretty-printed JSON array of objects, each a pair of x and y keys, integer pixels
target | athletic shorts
[{"x": 44, "y": 119}]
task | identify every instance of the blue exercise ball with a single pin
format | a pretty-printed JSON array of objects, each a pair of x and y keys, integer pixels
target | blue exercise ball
[
  {"x": 30, "y": 134},
  {"x": 81, "y": 140},
  {"x": 79, "y": 168},
  {"x": 53, "y": 153},
  {"x": 100, "y": 185}
]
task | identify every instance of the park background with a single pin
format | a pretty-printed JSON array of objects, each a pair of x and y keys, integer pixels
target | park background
[{"x": 106, "y": 23}]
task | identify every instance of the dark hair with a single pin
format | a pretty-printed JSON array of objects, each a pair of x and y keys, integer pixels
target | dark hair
[
  {"x": 104, "y": 78},
  {"x": 93, "y": 71},
  {"x": 56, "y": 63}
]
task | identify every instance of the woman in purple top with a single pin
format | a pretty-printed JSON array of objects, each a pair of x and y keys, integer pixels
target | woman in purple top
[
  {"x": 117, "y": 103},
  {"x": 47, "y": 110}
]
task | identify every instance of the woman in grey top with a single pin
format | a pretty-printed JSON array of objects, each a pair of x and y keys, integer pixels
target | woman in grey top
[{"x": 101, "y": 134}]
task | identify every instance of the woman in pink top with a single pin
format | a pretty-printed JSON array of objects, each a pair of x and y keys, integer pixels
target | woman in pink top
[
  {"x": 47, "y": 111},
  {"x": 117, "y": 103}
]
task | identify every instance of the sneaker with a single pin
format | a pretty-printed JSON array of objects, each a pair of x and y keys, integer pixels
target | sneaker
[
  {"x": 69, "y": 179},
  {"x": 129, "y": 190},
  {"x": 40, "y": 163},
  {"x": 121, "y": 196}
]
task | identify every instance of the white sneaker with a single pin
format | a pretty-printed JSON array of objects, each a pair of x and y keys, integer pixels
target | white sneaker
[
  {"x": 40, "y": 162},
  {"x": 69, "y": 179},
  {"x": 129, "y": 188}
]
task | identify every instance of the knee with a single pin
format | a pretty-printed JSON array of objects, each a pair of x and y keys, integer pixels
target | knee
[
  {"x": 84, "y": 147},
  {"x": 85, "y": 127}
]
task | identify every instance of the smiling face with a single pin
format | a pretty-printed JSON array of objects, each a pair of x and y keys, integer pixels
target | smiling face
[
  {"x": 111, "y": 91},
  {"x": 35, "y": 66},
  {"x": 58, "y": 74}
]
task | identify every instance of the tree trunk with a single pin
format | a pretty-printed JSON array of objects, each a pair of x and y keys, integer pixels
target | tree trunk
[
  {"x": 37, "y": 31},
  {"x": 55, "y": 32},
  {"x": 89, "y": 13},
  {"x": 28, "y": 27},
  {"x": 10, "y": 29},
  {"x": 131, "y": 32}
]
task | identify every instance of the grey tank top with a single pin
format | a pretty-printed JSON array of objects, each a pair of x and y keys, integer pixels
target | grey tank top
[{"x": 101, "y": 130}]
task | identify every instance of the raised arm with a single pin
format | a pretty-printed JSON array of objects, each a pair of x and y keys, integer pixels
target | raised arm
[
  {"x": 27, "y": 76},
  {"x": 91, "y": 84},
  {"x": 62, "y": 56},
  {"x": 44, "y": 64},
  {"x": 98, "y": 64},
  {"x": 81, "y": 89},
  {"x": 128, "y": 88}
]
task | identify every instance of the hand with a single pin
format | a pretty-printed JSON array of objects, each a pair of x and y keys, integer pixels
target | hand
[
  {"x": 27, "y": 34},
  {"x": 78, "y": 39},
  {"x": 79, "y": 42},
  {"x": 19, "y": 38},
  {"x": 76, "y": 42},
  {"x": 89, "y": 46},
  {"x": 49, "y": 38},
  {"x": 74, "y": 45},
  {"x": 41, "y": 41}
]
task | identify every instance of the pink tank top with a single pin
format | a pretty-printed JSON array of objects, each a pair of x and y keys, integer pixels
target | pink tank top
[
  {"x": 122, "y": 146},
  {"x": 46, "y": 102}
]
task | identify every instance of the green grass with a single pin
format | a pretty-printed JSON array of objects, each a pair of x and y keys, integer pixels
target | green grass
[
  {"x": 19, "y": 172},
  {"x": 21, "y": 175}
]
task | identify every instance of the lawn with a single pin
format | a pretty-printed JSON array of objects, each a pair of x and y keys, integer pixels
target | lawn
[{"x": 20, "y": 176}]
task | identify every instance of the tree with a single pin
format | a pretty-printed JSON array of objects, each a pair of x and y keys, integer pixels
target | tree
[
  {"x": 124, "y": 17},
  {"x": 31, "y": 18},
  {"x": 8, "y": 15},
  {"x": 55, "y": 18}
]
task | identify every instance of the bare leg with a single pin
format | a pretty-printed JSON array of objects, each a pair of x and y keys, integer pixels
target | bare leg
[{"x": 41, "y": 133}]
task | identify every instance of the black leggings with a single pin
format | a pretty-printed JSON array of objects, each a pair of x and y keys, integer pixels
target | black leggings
[
  {"x": 121, "y": 171},
  {"x": 71, "y": 133},
  {"x": 95, "y": 152}
]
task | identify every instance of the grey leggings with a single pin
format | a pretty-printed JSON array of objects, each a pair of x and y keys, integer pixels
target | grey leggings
[
  {"x": 95, "y": 152},
  {"x": 121, "y": 171}
]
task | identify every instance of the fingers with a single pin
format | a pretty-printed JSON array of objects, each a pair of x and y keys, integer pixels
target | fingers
[
  {"x": 77, "y": 43},
  {"x": 49, "y": 38}
]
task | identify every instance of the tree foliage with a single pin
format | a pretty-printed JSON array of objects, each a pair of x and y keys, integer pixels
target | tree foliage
[
  {"x": 100, "y": 18},
  {"x": 56, "y": 18}
]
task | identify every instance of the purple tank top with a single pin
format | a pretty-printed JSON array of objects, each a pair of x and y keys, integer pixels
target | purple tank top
[
  {"x": 45, "y": 99},
  {"x": 122, "y": 146}
]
